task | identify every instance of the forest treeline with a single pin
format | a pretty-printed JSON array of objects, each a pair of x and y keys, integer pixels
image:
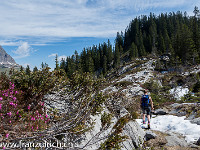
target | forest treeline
[{"x": 174, "y": 34}]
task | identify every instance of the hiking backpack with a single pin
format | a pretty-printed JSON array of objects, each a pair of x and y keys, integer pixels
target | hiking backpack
[{"x": 145, "y": 101}]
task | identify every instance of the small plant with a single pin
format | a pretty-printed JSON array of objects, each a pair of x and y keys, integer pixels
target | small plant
[
  {"x": 106, "y": 120},
  {"x": 115, "y": 138}
]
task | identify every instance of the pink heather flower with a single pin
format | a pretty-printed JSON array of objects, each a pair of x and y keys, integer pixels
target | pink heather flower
[
  {"x": 42, "y": 118},
  {"x": 37, "y": 127},
  {"x": 9, "y": 114},
  {"x": 10, "y": 121},
  {"x": 7, "y": 135},
  {"x": 17, "y": 112},
  {"x": 29, "y": 107},
  {"x": 41, "y": 103},
  {"x": 45, "y": 122},
  {"x": 0, "y": 106},
  {"x": 1, "y": 98},
  {"x": 16, "y": 92},
  {"x": 14, "y": 98},
  {"x": 15, "y": 105},
  {"x": 20, "y": 116},
  {"x": 48, "y": 119},
  {"x": 32, "y": 118},
  {"x": 11, "y": 103},
  {"x": 32, "y": 127},
  {"x": 4, "y": 148},
  {"x": 46, "y": 116}
]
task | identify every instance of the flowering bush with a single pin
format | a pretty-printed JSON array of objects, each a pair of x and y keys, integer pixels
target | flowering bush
[{"x": 14, "y": 117}]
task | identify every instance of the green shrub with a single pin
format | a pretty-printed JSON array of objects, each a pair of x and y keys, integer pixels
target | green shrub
[
  {"x": 35, "y": 84},
  {"x": 106, "y": 120}
]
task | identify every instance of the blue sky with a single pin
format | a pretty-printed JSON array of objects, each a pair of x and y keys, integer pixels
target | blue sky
[{"x": 34, "y": 31}]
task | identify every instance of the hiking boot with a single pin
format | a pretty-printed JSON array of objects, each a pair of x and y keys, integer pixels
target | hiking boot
[{"x": 148, "y": 125}]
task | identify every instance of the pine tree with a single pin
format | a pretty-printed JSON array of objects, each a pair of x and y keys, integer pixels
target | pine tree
[
  {"x": 133, "y": 52},
  {"x": 104, "y": 65},
  {"x": 117, "y": 56},
  {"x": 28, "y": 71},
  {"x": 35, "y": 69},
  {"x": 21, "y": 69},
  {"x": 42, "y": 65},
  {"x": 56, "y": 61},
  {"x": 109, "y": 54},
  {"x": 62, "y": 64}
]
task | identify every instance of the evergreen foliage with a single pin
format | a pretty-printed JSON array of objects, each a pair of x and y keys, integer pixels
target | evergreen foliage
[{"x": 174, "y": 34}]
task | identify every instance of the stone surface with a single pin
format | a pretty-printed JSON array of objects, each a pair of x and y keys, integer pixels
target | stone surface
[
  {"x": 150, "y": 135},
  {"x": 136, "y": 136},
  {"x": 176, "y": 140},
  {"x": 160, "y": 112},
  {"x": 196, "y": 121},
  {"x": 198, "y": 141}
]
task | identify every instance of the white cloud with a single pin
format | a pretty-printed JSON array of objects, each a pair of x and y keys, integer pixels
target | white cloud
[
  {"x": 77, "y": 18},
  {"x": 62, "y": 57},
  {"x": 23, "y": 50},
  {"x": 59, "y": 57},
  {"x": 53, "y": 55}
]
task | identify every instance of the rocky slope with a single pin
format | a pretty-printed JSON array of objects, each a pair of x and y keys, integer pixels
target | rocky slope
[{"x": 124, "y": 87}]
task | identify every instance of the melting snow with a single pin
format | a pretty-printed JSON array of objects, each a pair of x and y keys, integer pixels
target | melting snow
[{"x": 170, "y": 123}]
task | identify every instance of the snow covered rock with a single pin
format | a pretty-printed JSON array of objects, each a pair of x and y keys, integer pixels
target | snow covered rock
[
  {"x": 179, "y": 92},
  {"x": 150, "y": 135}
]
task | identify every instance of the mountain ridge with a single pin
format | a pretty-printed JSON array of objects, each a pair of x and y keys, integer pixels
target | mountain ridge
[{"x": 6, "y": 61}]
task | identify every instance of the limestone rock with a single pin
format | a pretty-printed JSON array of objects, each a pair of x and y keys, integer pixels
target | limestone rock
[
  {"x": 136, "y": 135},
  {"x": 176, "y": 140}
]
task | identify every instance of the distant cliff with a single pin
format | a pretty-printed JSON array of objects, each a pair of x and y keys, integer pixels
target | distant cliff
[{"x": 6, "y": 61}]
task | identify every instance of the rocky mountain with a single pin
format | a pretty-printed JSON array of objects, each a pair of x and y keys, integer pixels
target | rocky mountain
[{"x": 6, "y": 61}]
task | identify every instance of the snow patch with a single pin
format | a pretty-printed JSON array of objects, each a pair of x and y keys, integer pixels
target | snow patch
[
  {"x": 170, "y": 123},
  {"x": 179, "y": 92}
]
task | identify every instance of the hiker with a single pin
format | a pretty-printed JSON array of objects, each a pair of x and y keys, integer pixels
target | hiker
[{"x": 146, "y": 105}]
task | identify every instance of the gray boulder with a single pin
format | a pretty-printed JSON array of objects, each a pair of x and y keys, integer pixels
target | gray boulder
[
  {"x": 160, "y": 112},
  {"x": 150, "y": 135},
  {"x": 176, "y": 140},
  {"x": 198, "y": 141},
  {"x": 135, "y": 134},
  {"x": 196, "y": 121}
]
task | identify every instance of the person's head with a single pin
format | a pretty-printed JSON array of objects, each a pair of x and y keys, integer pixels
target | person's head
[{"x": 145, "y": 91}]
